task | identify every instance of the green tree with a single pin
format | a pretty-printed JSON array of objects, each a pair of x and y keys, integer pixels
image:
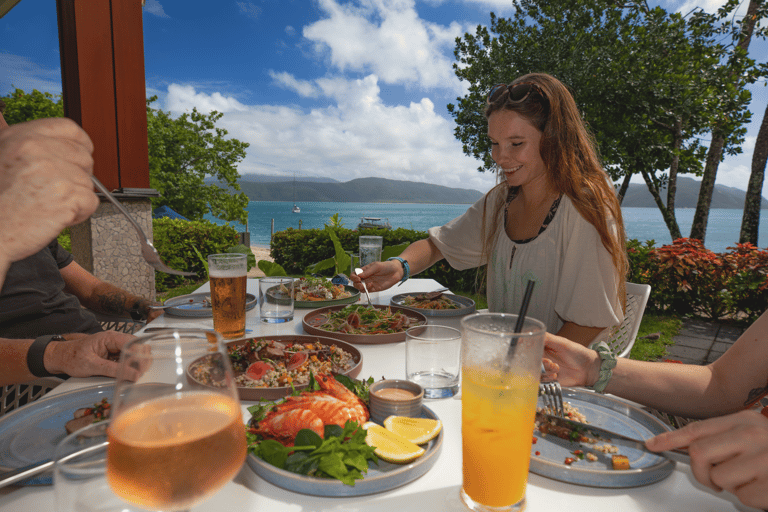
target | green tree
[
  {"x": 21, "y": 106},
  {"x": 644, "y": 80},
  {"x": 183, "y": 151},
  {"x": 738, "y": 70},
  {"x": 750, "y": 221}
]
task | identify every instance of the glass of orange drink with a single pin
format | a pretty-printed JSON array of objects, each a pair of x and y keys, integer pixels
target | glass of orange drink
[
  {"x": 499, "y": 382},
  {"x": 172, "y": 442}
]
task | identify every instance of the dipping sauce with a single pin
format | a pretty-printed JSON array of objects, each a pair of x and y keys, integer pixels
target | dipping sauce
[{"x": 394, "y": 394}]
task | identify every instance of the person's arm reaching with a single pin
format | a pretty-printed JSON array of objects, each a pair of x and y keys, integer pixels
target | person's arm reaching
[
  {"x": 45, "y": 185},
  {"x": 382, "y": 275},
  {"x": 104, "y": 297}
]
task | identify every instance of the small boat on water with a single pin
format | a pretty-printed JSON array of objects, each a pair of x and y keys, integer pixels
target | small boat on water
[
  {"x": 374, "y": 223},
  {"x": 296, "y": 209}
]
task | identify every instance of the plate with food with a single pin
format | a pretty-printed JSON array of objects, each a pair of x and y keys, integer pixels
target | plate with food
[
  {"x": 314, "y": 292},
  {"x": 269, "y": 367},
  {"x": 30, "y": 434},
  {"x": 436, "y": 304},
  {"x": 357, "y": 323},
  {"x": 586, "y": 458},
  {"x": 198, "y": 305},
  {"x": 274, "y": 454}
]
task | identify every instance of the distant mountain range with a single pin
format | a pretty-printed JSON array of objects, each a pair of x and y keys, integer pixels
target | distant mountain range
[
  {"x": 687, "y": 196},
  {"x": 361, "y": 190},
  {"x": 259, "y": 187}
]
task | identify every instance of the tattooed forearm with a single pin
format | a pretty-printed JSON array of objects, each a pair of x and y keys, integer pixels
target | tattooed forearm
[
  {"x": 119, "y": 303},
  {"x": 755, "y": 395}
]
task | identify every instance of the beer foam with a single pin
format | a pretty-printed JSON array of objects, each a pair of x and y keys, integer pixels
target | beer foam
[{"x": 226, "y": 273}]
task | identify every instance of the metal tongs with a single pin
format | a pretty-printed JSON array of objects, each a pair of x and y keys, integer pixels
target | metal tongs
[{"x": 148, "y": 250}]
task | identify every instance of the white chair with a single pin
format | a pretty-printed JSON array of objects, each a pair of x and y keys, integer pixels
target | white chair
[{"x": 623, "y": 337}]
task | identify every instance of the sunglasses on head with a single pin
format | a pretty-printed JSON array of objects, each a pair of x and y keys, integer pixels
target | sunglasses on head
[{"x": 517, "y": 92}]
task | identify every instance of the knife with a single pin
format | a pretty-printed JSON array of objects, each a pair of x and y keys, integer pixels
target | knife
[
  {"x": 679, "y": 455},
  {"x": 17, "y": 475}
]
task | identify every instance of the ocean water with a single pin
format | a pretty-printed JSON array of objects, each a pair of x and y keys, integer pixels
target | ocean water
[{"x": 640, "y": 223}]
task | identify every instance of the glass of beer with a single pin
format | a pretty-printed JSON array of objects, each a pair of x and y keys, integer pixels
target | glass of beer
[
  {"x": 172, "y": 442},
  {"x": 228, "y": 274},
  {"x": 499, "y": 386}
]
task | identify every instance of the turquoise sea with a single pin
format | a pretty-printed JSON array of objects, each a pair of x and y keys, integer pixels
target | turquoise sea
[{"x": 641, "y": 223}]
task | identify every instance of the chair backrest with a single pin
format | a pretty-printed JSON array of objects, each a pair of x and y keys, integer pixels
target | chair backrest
[
  {"x": 118, "y": 323},
  {"x": 623, "y": 337},
  {"x": 15, "y": 395}
]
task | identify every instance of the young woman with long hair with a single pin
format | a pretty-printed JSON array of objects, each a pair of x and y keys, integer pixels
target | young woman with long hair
[{"x": 553, "y": 218}]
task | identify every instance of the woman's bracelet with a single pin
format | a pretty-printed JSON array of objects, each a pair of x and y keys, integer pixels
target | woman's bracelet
[{"x": 607, "y": 364}]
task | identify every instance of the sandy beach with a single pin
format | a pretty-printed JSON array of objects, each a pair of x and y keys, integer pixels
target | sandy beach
[{"x": 261, "y": 253}]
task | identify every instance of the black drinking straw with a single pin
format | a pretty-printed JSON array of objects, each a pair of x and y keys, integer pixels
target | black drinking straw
[{"x": 521, "y": 316}]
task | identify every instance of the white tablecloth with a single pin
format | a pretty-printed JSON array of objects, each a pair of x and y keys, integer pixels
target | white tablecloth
[{"x": 438, "y": 490}]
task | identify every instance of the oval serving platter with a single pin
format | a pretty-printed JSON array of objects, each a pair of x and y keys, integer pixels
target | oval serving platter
[
  {"x": 548, "y": 453},
  {"x": 282, "y": 298},
  {"x": 466, "y": 305},
  {"x": 198, "y": 305},
  {"x": 256, "y": 394},
  {"x": 314, "y": 319},
  {"x": 379, "y": 478}
]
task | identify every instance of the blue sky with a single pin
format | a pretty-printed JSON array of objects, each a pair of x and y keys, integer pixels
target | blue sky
[{"x": 341, "y": 89}]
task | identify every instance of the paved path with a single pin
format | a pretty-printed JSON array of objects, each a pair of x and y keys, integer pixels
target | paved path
[{"x": 701, "y": 342}]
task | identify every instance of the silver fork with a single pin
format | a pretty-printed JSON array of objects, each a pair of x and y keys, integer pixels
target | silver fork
[
  {"x": 148, "y": 250},
  {"x": 553, "y": 397}
]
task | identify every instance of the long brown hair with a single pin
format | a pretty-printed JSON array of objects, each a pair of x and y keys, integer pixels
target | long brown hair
[{"x": 570, "y": 156}]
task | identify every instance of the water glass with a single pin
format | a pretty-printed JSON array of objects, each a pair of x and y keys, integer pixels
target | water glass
[
  {"x": 229, "y": 281},
  {"x": 79, "y": 473},
  {"x": 370, "y": 249},
  {"x": 499, "y": 386},
  {"x": 276, "y": 299},
  {"x": 432, "y": 359}
]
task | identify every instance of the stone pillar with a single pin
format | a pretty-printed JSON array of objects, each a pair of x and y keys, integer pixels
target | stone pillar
[{"x": 107, "y": 245}]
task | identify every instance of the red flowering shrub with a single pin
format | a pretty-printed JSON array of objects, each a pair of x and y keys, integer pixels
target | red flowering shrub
[{"x": 686, "y": 278}]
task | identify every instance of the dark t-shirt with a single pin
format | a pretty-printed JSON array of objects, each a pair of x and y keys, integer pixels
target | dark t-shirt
[{"x": 33, "y": 302}]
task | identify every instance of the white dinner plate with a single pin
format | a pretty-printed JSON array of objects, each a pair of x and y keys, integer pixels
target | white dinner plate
[
  {"x": 379, "y": 478},
  {"x": 548, "y": 453},
  {"x": 30, "y": 434}
]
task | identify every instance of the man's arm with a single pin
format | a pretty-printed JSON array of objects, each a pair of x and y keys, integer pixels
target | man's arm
[
  {"x": 104, "y": 297},
  {"x": 80, "y": 355}
]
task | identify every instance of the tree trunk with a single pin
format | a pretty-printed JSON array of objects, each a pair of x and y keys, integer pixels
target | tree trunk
[
  {"x": 666, "y": 213},
  {"x": 700, "y": 218},
  {"x": 750, "y": 222},
  {"x": 714, "y": 155},
  {"x": 623, "y": 189},
  {"x": 674, "y": 165}
]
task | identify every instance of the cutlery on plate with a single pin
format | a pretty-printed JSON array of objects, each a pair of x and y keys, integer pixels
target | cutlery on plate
[
  {"x": 679, "y": 455},
  {"x": 359, "y": 271},
  {"x": 148, "y": 250},
  {"x": 17, "y": 475},
  {"x": 170, "y": 327}
]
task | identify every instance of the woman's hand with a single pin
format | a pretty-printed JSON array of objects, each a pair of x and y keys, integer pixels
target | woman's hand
[
  {"x": 378, "y": 276},
  {"x": 568, "y": 362},
  {"x": 727, "y": 453}
]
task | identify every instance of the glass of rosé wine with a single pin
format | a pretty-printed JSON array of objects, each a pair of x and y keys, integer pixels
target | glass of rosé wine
[{"x": 172, "y": 442}]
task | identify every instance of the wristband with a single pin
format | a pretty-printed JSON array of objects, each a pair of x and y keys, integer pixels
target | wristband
[
  {"x": 607, "y": 364},
  {"x": 36, "y": 352},
  {"x": 406, "y": 268}
]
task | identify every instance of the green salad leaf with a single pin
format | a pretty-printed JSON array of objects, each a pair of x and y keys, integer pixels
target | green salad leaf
[{"x": 342, "y": 455}]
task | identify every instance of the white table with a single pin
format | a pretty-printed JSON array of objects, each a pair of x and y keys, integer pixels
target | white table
[{"x": 438, "y": 490}]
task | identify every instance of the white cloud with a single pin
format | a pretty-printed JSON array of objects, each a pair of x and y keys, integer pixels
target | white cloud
[
  {"x": 181, "y": 98},
  {"x": 356, "y": 136},
  {"x": 20, "y": 72},
  {"x": 386, "y": 38},
  {"x": 249, "y": 9},
  {"x": 154, "y": 7},
  {"x": 285, "y": 80}
]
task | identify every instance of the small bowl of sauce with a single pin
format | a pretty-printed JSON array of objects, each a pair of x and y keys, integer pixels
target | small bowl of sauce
[{"x": 393, "y": 397}]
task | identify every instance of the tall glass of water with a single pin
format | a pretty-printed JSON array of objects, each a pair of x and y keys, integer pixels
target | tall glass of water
[{"x": 370, "y": 249}]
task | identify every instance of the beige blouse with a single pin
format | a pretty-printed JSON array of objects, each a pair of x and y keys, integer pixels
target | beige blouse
[{"x": 574, "y": 273}]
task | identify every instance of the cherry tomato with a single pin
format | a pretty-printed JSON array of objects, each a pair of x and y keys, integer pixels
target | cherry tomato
[{"x": 258, "y": 369}]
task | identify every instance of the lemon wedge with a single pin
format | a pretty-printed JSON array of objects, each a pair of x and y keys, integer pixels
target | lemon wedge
[
  {"x": 416, "y": 430},
  {"x": 389, "y": 446}
]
